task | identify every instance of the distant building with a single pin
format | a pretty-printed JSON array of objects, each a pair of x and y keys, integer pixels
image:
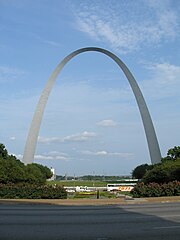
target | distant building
[{"x": 53, "y": 176}]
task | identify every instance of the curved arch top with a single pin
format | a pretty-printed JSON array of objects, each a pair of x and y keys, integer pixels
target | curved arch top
[{"x": 152, "y": 141}]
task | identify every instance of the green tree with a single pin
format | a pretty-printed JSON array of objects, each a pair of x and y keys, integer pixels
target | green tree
[
  {"x": 3, "y": 175},
  {"x": 140, "y": 170},
  {"x": 163, "y": 173},
  {"x": 34, "y": 174},
  {"x": 173, "y": 154},
  {"x": 3, "y": 151},
  {"x": 44, "y": 170},
  {"x": 13, "y": 170}
]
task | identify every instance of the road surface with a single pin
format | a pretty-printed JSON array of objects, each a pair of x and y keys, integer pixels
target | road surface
[{"x": 125, "y": 222}]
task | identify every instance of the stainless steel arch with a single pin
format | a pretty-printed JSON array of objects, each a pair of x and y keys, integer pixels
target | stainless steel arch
[{"x": 31, "y": 142}]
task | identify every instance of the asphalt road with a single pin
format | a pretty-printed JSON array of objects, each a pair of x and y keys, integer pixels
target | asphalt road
[{"x": 144, "y": 221}]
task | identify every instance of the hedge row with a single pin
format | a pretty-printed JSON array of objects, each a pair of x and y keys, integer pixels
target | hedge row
[
  {"x": 21, "y": 191},
  {"x": 156, "y": 189}
]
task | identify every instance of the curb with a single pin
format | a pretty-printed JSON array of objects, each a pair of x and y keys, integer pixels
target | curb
[{"x": 92, "y": 202}]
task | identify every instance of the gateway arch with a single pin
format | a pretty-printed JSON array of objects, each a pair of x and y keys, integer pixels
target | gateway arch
[{"x": 152, "y": 141}]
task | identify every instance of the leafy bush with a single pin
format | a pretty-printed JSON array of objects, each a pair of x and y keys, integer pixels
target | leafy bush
[
  {"x": 163, "y": 173},
  {"x": 156, "y": 190},
  {"x": 29, "y": 191}
]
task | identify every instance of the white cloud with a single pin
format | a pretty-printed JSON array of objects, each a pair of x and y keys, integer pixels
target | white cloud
[
  {"x": 53, "y": 155},
  {"x": 46, "y": 41},
  {"x": 42, "y": 157},
  {"x": 165, "y": 79},
  {"x": 12, "y": 138},
  {"x": 56, "y": 153},
  {"x": 166, "y": 73},
  {"x": 79, "y": 137},
  {"x": 106, "y": 153},
  {"x": 107, "y": 123},
  {"x": 52, "y": 43},
  {"x": 128, "y": 30},
  {"x": 18, "y": 156},
  {"x": 101, "y": 153},
  {"x": 49, "y": 157},
  {"x": 47, "y": 140},
  {"x": 9, "y": 74}
]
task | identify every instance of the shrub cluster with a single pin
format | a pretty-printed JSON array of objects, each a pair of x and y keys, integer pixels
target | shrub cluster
[
  {"x": 156, "y": 189},
  {"x": 30, "y": 191}
]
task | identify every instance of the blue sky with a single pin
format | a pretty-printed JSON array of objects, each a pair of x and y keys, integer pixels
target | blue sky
[{"x": 91, "y": 124}]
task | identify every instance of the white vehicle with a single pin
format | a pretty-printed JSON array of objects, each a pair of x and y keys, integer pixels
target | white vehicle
[
  {"x": 125, "y": 185},
  {"x": 70, "y": 189},
  {"x": 82, "y": 189}
]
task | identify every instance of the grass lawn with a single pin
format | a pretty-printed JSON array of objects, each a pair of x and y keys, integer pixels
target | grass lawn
[{"x": 90, "y": 195}]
